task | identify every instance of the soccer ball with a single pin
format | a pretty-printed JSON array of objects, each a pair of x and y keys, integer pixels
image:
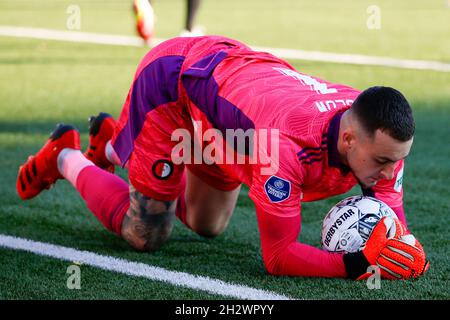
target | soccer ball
[{"x": 348, "y": 224}]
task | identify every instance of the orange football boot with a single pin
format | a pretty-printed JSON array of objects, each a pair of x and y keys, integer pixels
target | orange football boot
[
  {"x": 101, "y": 129},
  {"x": 40, "y": 171}
]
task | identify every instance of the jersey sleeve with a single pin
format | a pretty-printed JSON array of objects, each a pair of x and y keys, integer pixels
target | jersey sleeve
[
  {"x": 391, "y": 191},
  {"x": 277, "y": 199},
  {"x": 284, "y": 255}
]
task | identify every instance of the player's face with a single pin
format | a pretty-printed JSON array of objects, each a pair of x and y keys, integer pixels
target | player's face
[{"x": 374, "y": 158}]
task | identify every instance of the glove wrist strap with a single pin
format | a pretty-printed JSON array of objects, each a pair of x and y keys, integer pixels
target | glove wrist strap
[{"x": 356, "y": 264}]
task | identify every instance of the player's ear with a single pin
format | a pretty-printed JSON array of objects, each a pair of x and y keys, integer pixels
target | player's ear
[
  {"x": 348, "y": 138},
  {"x": 349, "y": 131}
]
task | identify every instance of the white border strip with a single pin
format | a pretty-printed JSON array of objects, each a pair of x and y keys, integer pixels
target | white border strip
[
  {"x": 138, "y": 269},
  {"x": 97, "y": 38}
]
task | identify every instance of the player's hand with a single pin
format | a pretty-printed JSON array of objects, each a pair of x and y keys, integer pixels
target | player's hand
[
  {"x": 356, "y": 263},
  {"x": 402, "y": 258},
  {"x": 387, "y": 228}
]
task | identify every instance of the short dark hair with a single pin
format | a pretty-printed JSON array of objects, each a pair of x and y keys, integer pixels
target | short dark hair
[{"x": 386, "y": 109}]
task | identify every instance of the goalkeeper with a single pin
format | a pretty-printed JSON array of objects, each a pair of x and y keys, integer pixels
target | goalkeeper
[{"x": 322, "y": 139}]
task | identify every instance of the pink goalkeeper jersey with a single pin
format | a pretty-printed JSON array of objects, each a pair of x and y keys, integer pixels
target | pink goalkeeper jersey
[
  {"x": 222, "y": 84},
  {"x": 237, "y": 88}
]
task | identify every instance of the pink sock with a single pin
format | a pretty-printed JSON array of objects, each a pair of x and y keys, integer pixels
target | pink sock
[
  {"x": 106, "y": 195},
  {"x": 71, "y": 162}
]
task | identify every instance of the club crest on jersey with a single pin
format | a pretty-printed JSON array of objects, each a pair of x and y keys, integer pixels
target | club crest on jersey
[
  {"x": 277, "y": 189},
  {"x": 162, "y": 169}
]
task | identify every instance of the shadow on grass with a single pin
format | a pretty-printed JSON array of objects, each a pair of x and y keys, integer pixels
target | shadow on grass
[{"x": 40, "y": 126}]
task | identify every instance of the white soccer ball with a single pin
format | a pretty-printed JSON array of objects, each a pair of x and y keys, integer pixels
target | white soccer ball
[{"x": 348, "y": 224}]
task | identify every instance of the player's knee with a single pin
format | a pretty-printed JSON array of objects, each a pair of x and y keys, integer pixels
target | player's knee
[
  {"x": 210, "y": 228},
  {"x": 148, "y": 243},
  {"x": 147, "y": 233},
  {"x": 209, "y": 231}
]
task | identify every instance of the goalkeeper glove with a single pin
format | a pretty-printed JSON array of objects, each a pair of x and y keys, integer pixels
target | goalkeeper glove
[
  {"x": 402, "y": 258},
  {"x": 396, "y": 254}
]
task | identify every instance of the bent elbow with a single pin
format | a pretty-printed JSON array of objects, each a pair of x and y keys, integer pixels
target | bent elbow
[{"x": 272, "y": 264}]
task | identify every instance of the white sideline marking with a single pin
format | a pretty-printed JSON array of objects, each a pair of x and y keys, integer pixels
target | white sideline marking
[
  {"x": 357, "y": 59},
  {"x": 73, "y": 36},
  {"x": 138, "y": 269}
]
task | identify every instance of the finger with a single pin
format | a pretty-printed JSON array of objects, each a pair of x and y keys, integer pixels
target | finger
[
  {"x": 381, "y": 232},
  {"x": 393, "y": 269},
  {"x": 387, "y": 273},
  {"x": 401, "y": 256},
  {"x": 405, "y": 255},
  {"x": 390, "y": 225},
  {"x": 395, "y": 259},
  {"x": 378, "y": 238},
  {"x": 401, "y": 244},
  {"x": 406, "y": 269},
  {"x": 400, "y": 228}
]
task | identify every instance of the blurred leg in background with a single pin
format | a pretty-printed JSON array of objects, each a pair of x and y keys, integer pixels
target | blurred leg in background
[
  {"x": 191, "y": 30},
  {"x": 145, "y": 19}
]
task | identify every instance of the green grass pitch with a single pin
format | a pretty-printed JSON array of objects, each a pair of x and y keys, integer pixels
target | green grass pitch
[{"x": 46, "y": 82}]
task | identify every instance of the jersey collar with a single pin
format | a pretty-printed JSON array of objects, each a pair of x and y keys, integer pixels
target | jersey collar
[{"x": 332, "y": 138}]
